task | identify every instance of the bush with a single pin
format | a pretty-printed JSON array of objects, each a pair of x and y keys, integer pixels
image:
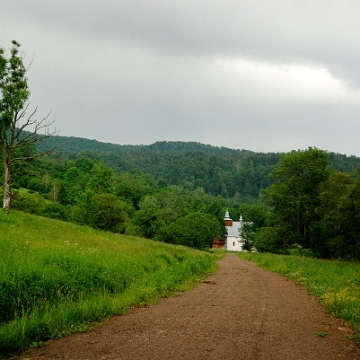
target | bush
[
  {"x": 31, "y": 203},
  {"x": 195, "y": 230},
  {"x": 297, "y": 250},
  {"x": 36, "y": 184},
  {"x": 54, "y": 210}
]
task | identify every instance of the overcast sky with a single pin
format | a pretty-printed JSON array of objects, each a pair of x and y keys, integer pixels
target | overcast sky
[{"x": 262, "y": 75}]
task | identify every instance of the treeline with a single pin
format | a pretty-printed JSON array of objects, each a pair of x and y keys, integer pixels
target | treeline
[
  {"x": 237, "y": 175},
  {"x": 304, "y": 201},
  {"x": 310, "y": 209},
  {"x": 70, "y": 145},
  {"x": 88, "y": 192}
]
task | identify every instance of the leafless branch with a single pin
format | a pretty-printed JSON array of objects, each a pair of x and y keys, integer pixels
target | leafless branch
[{"x": 24, "y": 158}]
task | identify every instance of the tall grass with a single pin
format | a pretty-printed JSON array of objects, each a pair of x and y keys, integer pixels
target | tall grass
[
  {"x": 336, "y": 283},
  {"x": 57, "y": 277}
]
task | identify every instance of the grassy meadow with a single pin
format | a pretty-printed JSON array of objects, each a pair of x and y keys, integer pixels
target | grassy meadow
[
  {"x": 58, "y": 277},
  {"x": 336, "y": 283}
]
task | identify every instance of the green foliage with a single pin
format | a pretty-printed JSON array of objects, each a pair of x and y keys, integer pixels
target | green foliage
[
  {"x": 268, "y": 239},
  {"x": 307, "y": 204},
  {"x": 297, "y": 250},
  {"x": 335, "y": 217},
  {"x": 101, "y": 179},
  {"x": 14, "y": 91},
  {"x": 294, "y": 196},
  {"x": 87, "y": 192},
  {"x": 17, "y": 145},
  {"x": 112, "y": 214},
  {"x": 72, "y": 174},
  {"x": 253, "y": 219},
  {"x": 218, "y": 171},
  {"x": 55, "y": 210},
  {"x": 56, "y": 278},
  {"x": 312, "y": 207},
  {"x": 196, "y": 230},
  {"x": 321, "y": 333},
  {"x": 36, "y": 184},
  {"x": 13, "y": 95},
  {"x": 86, "y": 210},
  {"x": 100, "y": 211},
  {"x": 31, "y": 203},
  {"x": 148, "y": 220},
  {"x": 238, "y": 175},
  {"x": 217, "y": 211}
]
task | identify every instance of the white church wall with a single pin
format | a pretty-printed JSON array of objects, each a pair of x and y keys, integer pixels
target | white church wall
[{"x": 233, "y": 243}]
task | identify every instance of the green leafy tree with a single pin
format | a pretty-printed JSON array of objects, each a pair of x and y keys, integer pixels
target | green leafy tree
[
  {"x": 31, "y": 203},
  {"x": 217, "y": 211},
  {"x": 294, "y": 196},
  {"x": 134, "y": 186},
  {"x": 14, "y": 93},
  {"x": 112, "y": 213},
  {"x": 101, "y": 179},
  {"x": 253, "y": 219},
  {"x": 195, "y": 230},
  {"x": 173, "y": 204},
  {"x": 335, "y": 212},
  {"x": 351, "y": 212},
  {"x": 267, "y": 239},
  {"x": 148, "y": 221},
  {"x": 55, "y": 210},
  {"x": 86, "y": 210},
  {"x": 72, "y": 174},
  {"x": 84, "y": 164}
]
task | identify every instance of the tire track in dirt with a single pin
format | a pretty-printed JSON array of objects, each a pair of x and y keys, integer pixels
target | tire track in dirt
[
  {"x": 259, "y": 327},
  {"x": 240, "y": 312}
]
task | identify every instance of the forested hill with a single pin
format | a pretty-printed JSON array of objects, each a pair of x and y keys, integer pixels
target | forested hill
[
  {"x": 71, "y": 145},
  {"x": 238, "y": 174}
]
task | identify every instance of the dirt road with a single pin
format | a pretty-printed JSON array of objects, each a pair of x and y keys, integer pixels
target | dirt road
[{"x": 240, "y": 312}]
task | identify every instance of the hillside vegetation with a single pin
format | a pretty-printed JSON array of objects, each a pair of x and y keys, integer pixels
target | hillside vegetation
[
  {"x": 232, "y": 174},
  {"x": 178, "y": 192},
  {"x": 296, "y": 199},
  {"x": 57, "y": 277}
]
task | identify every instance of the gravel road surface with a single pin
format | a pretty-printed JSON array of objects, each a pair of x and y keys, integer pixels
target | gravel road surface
[{"x": 240, "y": 312}]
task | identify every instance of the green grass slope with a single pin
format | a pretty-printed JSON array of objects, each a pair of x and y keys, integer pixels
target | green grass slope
[{"x": 57, "y": 277}]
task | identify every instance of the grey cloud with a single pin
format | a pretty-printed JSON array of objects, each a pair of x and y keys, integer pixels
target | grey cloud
[
  {"x": 278, "y": 31},
  {"x": 142, "y": 71}
]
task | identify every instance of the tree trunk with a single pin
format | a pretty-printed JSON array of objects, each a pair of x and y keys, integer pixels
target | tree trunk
[{"x": 6, "y": 186}]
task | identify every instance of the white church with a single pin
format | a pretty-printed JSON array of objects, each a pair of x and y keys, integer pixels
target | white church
[{"x": 233, "y": 240}]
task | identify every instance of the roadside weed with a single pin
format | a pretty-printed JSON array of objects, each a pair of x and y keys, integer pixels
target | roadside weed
[{"x": 321, "y": 333}]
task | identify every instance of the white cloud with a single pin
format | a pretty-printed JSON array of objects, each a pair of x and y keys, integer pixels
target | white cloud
[{"x": 287, "y": 82}]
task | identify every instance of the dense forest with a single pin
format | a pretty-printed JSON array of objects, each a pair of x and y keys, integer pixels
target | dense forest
[
  {"x": 312, "y": 208},
  {"x": 178, "y": 192},
  {"x": 236, "y": 175}
]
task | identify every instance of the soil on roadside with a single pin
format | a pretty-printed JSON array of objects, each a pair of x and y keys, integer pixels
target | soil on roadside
[{"x": 240, "y": 312}]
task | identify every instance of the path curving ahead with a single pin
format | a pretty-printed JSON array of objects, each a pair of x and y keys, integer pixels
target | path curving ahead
[{"x": 240, "y": 312}]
